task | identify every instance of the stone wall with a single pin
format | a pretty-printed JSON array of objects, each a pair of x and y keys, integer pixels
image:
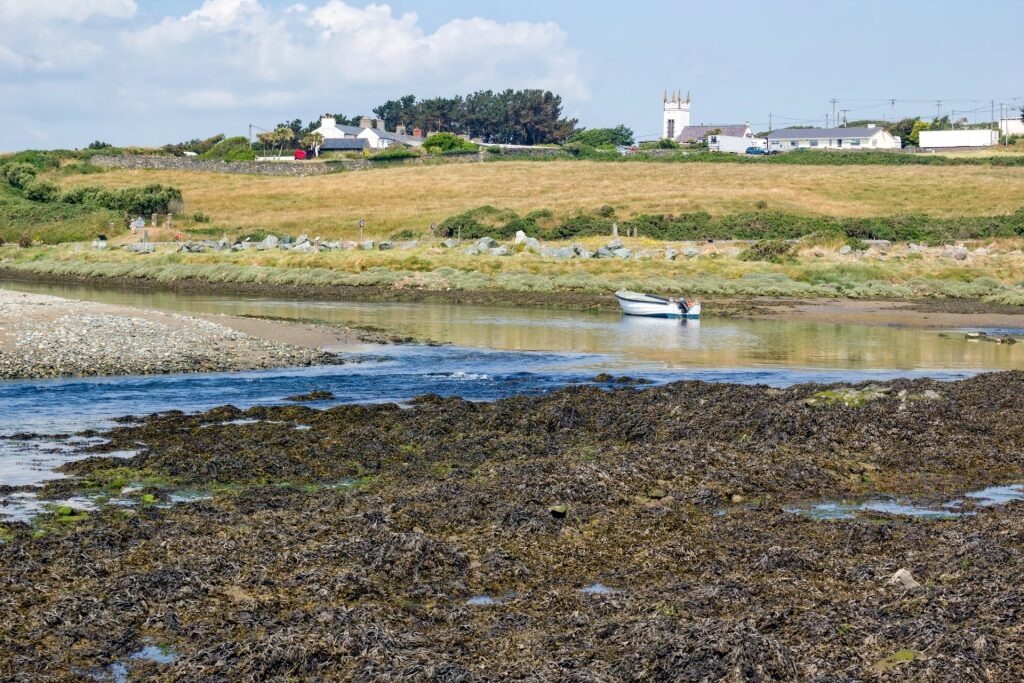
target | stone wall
[{"x": 303, "y": 168}]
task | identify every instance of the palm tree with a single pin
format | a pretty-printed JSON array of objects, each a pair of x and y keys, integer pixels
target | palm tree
[
  {"x": 312, "y": 141},
  {"x": 282, "y": 136}
]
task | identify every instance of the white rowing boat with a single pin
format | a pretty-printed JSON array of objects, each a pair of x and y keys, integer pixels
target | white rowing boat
[{"x": 635, "y": 303}]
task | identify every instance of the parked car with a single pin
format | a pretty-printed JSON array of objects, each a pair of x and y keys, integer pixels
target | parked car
[{"x": 756, "y": 150}]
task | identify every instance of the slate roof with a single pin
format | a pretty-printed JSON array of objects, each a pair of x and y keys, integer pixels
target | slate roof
[
  {"x": 395, "y": 137},
  {"x": 701, "y": 132},
  {"x": 821, "y": 133},
  {"x": 343, "y": 144}
]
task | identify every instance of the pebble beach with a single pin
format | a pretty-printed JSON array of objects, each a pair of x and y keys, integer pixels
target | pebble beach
[{"x": 45, "y": 336}]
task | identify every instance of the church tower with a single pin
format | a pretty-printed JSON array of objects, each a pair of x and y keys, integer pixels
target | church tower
[{"x": 676, "y": 114}]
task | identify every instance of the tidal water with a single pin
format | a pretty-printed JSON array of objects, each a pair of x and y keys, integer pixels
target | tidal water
[{"x": 487, "y": 353}]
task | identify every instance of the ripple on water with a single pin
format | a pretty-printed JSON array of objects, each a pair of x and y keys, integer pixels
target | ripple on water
[{"x": 986, "y": 497}]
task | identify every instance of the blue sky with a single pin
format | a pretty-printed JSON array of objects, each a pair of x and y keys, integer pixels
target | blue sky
[{"x": 148, "y": 72}]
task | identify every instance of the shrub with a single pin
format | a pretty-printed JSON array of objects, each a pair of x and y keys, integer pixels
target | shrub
[
  {"x": 99, "y": 144},
  {"x": 200, "y": 217},
  {"x": 153, "y": 198},
  {"x": 404, "y": 235},
  {"x": 81, "y": 168},
  {"x": 447, "y": 143},
  {"x": 42, "y": 191},
  {"x": 19, "y": 174},
  {"x": 596, "y": 137},
  {"x": 231, "y": 149},
  {"x": 773, "y": 251},
  {"x": 393, "y": 152},
  {"x": 24, "y": 241}
]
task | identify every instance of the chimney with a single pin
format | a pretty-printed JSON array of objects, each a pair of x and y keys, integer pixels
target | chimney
[
  {"x": 366, "y": 122},
  {"x": 380, "y": 124},
  {"x": 417, "y": 133},
  {"x": 400, "y": 129},
  {"x": 328, "y": 121}
]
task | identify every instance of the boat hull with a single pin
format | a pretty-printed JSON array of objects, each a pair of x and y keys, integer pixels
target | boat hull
[{"x": 653, "y": 307}]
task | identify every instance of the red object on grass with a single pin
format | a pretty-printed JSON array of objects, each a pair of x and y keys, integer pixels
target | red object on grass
[{"x": 300, "y": 154}]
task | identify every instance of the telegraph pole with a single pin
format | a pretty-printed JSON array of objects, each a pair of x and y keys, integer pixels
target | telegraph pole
[
  {"x": 835, "y": 121},
  {"x": 844, "y": 112},
  {"x": 769, "y": 122},
  {"x": 938, "y": 109}
]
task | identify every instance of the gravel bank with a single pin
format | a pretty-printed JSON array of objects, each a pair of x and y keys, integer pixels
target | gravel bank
[{"x": 46, "y": 336}]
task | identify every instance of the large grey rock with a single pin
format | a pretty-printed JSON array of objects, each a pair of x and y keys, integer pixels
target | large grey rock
[
  {"x": 604, "y": 253},
  {"x": 140, "y": 248},
  {"x": 547, "y": 252},
  {"x": 647, "y": 253},
  {"x": 501, "y": 250},
  {"x": 99, "y": 244},
  {"x": 450, "y": 243},
  {"x": 960, "y": 253},
  {"x": 368, "y": 245},
  {"x": 691, "y": 252},
  {"x": 670, "y": 254},
  {"x": 268, "y": 242},
  {"x": 301, "y": 239},
  {"x": 409, "y": 244},
  {"x": 486, "y": 243},
  {"x": 385, "y": 245},
  {"x": 845, "y": 249},
  {"x": 304, "y": 247},
  {"x": 622, "y": 253},
  {"x": 470, "y": 251},
  {"x": 519, "y": 238},
  {"x": 614, "y": 244},
  {"x": 584, "y": 253},
  {"x": 565, "y": 253},
  {"x": 532, "y": 244}
]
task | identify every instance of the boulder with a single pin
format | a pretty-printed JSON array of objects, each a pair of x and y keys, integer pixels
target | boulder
[
  {"x": 368, "y": 245},
  {"x": 269, "y": 242},
  {"x": 486, "y": 243},
  {"x": 409, "y": 244},
  {"x": 385, "y": 245},
  {"x": 670, "y": 254},
  {"x": 301, "y": 239},
  {"x": 981, "y": 251},
  {"x": 470, "y": 251},
  {"x": 614, "y": 244},
  {"x": 450, "y": 243},
  {"x": 621, "y": 253},
  {"x": 691, "y": 252},
  {"x": 845, "y": 249},
  {"x": 547, "y": 252},
  {"x": 520, "y": 237},
  {"x": 499, "y": 251},
  {"x": 304, "y": 247},
  {"x": 585, "y": 253},
  {"x": 565, "y": 253},
  {"x": 647, "y": 253},
  {"x": 604, "y": 253},
  {"x": 140, "y": 248},
  {"x": 959, "y": 253}
]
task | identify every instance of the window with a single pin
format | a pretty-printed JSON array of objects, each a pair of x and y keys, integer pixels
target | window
[
  {"x": 671, "y": 133},
  {"x": 792, "y": 143},
  {"x": 854, "y": 143},
  {"x": 814, "y": 143}
]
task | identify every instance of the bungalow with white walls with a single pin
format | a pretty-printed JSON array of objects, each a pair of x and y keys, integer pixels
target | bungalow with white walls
[
  {"x": 1011, "y": 126},
  {"x": 871, "y": 137},
  {"x": 692, "y": 134},
  {"x": 370, "y": 130}
]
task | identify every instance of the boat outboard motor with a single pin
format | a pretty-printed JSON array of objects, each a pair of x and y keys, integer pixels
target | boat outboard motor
[{"x": 682, "y": 305}]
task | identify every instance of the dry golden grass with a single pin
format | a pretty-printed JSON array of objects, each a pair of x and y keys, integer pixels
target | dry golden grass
[{"x": 412, "y": 196}]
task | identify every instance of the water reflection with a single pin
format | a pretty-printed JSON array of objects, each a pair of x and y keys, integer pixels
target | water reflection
[{"x": 712, "y": 342}]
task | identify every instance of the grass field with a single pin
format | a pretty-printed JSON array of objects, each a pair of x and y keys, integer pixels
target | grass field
[{"x": 392, "y": 199}]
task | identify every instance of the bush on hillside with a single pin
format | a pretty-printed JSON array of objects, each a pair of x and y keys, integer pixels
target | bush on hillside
[
  {"x": 231, "y": 149},
  {"x": 42, "y": 191},
  {"x": 773, "y": 251},
  {"x": 154, "y": 198},
  {"x": 597, "y": 137},
  {"x": 19, "y": 174},
  {"x": 393, "y": 152}
]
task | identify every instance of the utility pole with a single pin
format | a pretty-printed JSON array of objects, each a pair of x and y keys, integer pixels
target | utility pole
[
  {"x": 769, "y": 122},
  {"x": 835, "y": 121},
  {"x": 892, "y": 109},
  {"x": 844, "y": 112},
  {"x": 938, "y": 109}
]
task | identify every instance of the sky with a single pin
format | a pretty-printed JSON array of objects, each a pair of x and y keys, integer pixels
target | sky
[{"x": 149, "y": 72}]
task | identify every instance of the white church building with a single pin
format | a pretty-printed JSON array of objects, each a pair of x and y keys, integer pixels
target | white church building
[{"x": 725, "y": 137}]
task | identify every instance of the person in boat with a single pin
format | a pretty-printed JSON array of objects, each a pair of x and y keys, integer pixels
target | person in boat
[{"x": 684, "y": 305}]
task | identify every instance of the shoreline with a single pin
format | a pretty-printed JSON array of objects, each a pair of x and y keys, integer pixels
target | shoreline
[
  {"x": 915, "y": 313},
  {"x": 44, "y": 336}
]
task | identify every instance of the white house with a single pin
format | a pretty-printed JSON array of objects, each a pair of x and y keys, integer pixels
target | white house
[
  {"x": 370, "y": 130},
  {"x": 1011, "y": 126},
  {"x": 872, "y": 137},
  {"x": 946, "y": 139}
]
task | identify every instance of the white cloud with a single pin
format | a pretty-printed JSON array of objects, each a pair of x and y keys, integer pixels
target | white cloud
[
  {"x": 248, "y": 61},
  {"x": 65, "y": 10}
]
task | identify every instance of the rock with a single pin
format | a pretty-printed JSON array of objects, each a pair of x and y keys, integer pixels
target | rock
[
  {"x": 737, "y": 498},
  {"x": 140, "y": 248},
  {"x": 975, "y": 335},
  {"x": 690, "y": 252},
  {"x": 269, "y": 242},
  {"x": 385, "y": 245},
  {"x": 845, "y": 249},
  {"x": 304, "y": 248},
  {"x": 558, "y": 511},
  {"x": 409, "y": 244},
  {"x": 301, "y": 239},
  {"x": 471, "y": 251},
  {"x": 565, "y": 253},
  {"x": 818, "y": 253},
  {"x": 500, "y": 251},
  {"x": 532, "y": 244},
  {"x": 450, "y": 243},
  {"x": 520, "y": 237},
  {"x": 604, "y": 253},
  {"x": 367, "y": 245},
  {"x": 981, "y": 251},
  {"x": 904, "y": 578},
  {"x": 486, "y": 243},
  {"x": 614, "y": 244},
  {"x": 584, "y": 253},
  {"x": 622, "y": 253},
  {"x": 318, "y": 395},
  {"x": 656, "y": 493},
  {"x": 670, "y": 254},
  {"x": 547, "y": 252},
  {"x": 960, "y": 253}
]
